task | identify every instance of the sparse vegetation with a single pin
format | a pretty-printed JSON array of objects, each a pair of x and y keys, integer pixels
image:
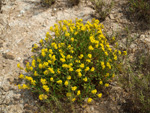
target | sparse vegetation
[
  {"x": 102, "y": 8},
  {"x": 48, "y": 2},
  {"x": 74, "y": 2},
  {"x": 134, "y": 76},
  {"x": 141, "y": 8}
]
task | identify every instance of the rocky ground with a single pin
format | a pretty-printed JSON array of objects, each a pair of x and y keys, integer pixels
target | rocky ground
[{"x": 25, "y": 22}]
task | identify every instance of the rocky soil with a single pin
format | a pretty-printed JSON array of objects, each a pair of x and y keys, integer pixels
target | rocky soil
[{"x": 25, "y": 22}]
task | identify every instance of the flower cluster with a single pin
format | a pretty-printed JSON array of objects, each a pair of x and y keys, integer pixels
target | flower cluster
[{"x": 74, "y": 65}]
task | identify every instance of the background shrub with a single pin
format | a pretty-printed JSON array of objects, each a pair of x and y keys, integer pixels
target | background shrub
[
  {"x": 102, "y": 8},
  {"x": 141, "y": 8}
]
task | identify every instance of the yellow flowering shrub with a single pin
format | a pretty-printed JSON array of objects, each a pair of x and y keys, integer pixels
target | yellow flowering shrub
[{"x": 75, "y": 64}]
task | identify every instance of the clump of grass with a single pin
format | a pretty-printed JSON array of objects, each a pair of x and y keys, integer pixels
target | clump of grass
[
  {"x": 74, "y": 65},
  {"x": 102, "y": 8},
  {"x": 141, "y": 8}
]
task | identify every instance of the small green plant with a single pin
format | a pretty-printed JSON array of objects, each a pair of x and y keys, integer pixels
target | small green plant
[
  {"x": 48, "y": 2},
  {"x": 141, "y": 8},
  {"x": 102, "y": 8},
  {"x": 74, "y": 65}
]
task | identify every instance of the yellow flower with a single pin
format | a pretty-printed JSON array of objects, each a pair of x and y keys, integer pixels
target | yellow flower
[
  {"x": 51, "y": 79},
  {"x": 66, "y": 83},
  {"x": 124, "y": 52},
  {"x": 115, "y": 57},
  {"x": 69, "y": 78},
  {"x": 43, "y": 54},
  {"x": 99, "y": 95},
  {"x": 62, "y": 60},
  {"x": 46, "y": 88},
  {"x": 46, "y": 72},
  {"x": 19, "y": 86},
  {"x": 59, "y": 82},
  {"x": 55, "y": 46},
  {"x": 28, "y": 78},
  {"x": 82, "y": 65},
  {"x": 103, "y": 65},
  {"x": 51, "y": 70},
  {"x": 40, "y": 66},
  {"x": 53, "y": 57},
  {"x": 72, "y": 39},
  {"x": 31, "y": 68},
  {"x": 24, "y": 86},
  {"x": 77, "y": 61},
  {"x": 45, "y": 64},
  {"x": 70, "y": 69},
  {"x": 92, "y": 69},
  {"x": 113, "y": 38},
  {"x": 81, "y": 56},
  {"x": 74, "y": 88},
  {"x": 78, "y": 92},
  {"x": 68, "y": 94},
  {"x": 88, "y": 60},
  {"x": 62, "y": 44},
  {"x": 67, "y": 34},
  {"x": 94, "y": 91},
  {"x": 90, "y": 55},
  {"x": 41, "y": 41},
  {"x": 78, "y": 70},
  {"x": 100, "y": 82},
  {"x": 21, "y": 76},
  {"x": 113, "y": 75},
  {"x": 42, "y": 97},
  {"x": 72, "y": 51},
  {"x": 106, "y": 53},
  {"x": 51, "y": 29},
  {"x": 18, "y": 65},
  {"x": 89, "y": 100},
  {"x": 106, "y": 84},
  {"x": 35, "y": 73},
  {"x": 119, "y": 52},
  {"x": 87, "y": 69},
  {"x": 79, "y": 74},
  {"x": 65, "y": 65},
  {"x": 73, "y": 99},
  {"x": 85, "y": 79},
  {"x": 96, "y": 46},
  {"x": 49, "y": 61},
  {"x": 107, "y": 75},
  {"x": 91, "y": 48},
  {"x": 63, "y": 56},
  {"x": 38, "y": 60},
  {"x": 58, "y": 71},
  {"x": 76, "y": 33},
  {"x": 108, "y": 65},
  {"x": 33, "y": 63},
  {"x": 50, "y": 51},
  {"x": 43, "y": 81},
  {"x": 33, "y": 82}
]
